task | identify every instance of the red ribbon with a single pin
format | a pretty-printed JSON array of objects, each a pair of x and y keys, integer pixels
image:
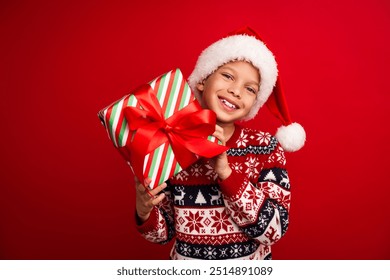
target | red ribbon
[{"x": 186, "y": 130}]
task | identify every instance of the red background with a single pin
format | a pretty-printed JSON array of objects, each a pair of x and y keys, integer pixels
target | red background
[{"x": 67, "y": 194}]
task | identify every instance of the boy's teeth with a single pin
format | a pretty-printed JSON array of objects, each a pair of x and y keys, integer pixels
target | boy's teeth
[{"x": 227, "y": 103}]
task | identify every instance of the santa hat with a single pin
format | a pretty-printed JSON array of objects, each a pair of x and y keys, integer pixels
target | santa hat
[{"x": 245, "y": 44}]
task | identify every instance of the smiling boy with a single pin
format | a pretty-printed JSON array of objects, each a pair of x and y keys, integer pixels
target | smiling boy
[{"x": 236, "y": 205}]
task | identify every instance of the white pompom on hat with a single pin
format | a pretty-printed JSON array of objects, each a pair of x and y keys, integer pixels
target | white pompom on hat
[{"x": 245, "y": 44}]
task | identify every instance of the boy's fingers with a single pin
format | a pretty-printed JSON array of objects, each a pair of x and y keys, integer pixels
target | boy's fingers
[
  {"x": 147, "y": 182},
  {"x": 158, "y": 199},
  {"x": 220, "y": 136},
  {"x": 158, "y": 189},
  {"x": 140, "y": 188}
]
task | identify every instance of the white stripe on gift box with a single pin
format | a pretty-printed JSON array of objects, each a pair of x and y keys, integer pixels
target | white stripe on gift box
[
  {"x": 153, "y": 83},
  {"x": 157, "y": 156},
  {"x": 118, "y": 111},
  {"x": 132, "y": 103},
  {"x": 175, "y": 93},
  {"x": 106, "y": 124},
  {"x": 162, "y": 91}
]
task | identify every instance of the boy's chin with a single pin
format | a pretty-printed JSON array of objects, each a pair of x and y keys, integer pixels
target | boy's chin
[{"x": 228, "y": 119}]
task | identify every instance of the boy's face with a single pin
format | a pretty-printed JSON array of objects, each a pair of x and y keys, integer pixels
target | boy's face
[{"x": 230, "y": 91}]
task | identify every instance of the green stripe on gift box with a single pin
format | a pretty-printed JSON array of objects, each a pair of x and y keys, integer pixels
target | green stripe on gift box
[
  {"x": 186, "y": 96},
  {"x": 114, "y": 120},
  {"x": 111, "y": 123},
  {"x": 123, "y": 124},
  {"x": 177, "y": 168},
  {"x": 214, "y": 139},
  {"x": 161, "y": 90},
  {"x": 173, "y": 97},
  {"x": 167, "y": 166},
  {"x": 155, "y": 158},
  {"x": 124, "y": 132}
]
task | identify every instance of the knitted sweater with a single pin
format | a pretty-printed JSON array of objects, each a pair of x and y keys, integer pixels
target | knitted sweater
[{"x": 237, "y": 218}]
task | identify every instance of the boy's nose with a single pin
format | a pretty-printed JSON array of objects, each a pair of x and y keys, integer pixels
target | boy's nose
[{"x": 235, "y": 91}]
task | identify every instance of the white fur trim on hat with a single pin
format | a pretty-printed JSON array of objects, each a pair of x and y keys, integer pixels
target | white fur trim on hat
[
  {"x": 238, "y": 47},
  {"x": 291, "y": 137}
]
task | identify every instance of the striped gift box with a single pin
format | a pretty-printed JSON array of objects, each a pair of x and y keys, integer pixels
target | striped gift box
[{"x": 173, "y": 94}]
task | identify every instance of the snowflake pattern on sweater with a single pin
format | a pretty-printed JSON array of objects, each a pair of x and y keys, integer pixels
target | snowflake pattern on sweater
[{"x": 237, "y": 218}]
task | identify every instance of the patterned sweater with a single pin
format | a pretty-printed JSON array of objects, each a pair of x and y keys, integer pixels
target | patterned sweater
[{"x": 237, "y": 218}]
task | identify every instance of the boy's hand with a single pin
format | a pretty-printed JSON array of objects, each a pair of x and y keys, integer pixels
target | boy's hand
[
  {"x": 221, "y": 164},
  {"x": 145, "y": 201}
]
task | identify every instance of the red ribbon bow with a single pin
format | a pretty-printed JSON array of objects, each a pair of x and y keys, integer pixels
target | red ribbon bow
[{"x": 186, "y": 130}]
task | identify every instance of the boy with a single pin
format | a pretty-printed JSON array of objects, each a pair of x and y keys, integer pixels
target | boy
[{"x": 236, "y": 205}]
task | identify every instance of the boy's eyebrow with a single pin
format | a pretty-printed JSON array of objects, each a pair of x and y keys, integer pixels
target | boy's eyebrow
[
  {"x": 227, "y": 67},
  {"x": 234, "y": 70},
  {"x": 254, "y": 82}
]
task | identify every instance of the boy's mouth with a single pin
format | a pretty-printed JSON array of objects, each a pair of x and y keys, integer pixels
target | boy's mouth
[{"x": 228, "y": 104}]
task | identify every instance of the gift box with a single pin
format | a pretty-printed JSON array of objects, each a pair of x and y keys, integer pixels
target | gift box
[{"x": 160, "y": 128}]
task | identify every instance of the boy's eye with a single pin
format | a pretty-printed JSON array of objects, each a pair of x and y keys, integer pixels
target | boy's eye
[
  {"x": 251, "y": 90},
  {"x": 228, "y": 76}
]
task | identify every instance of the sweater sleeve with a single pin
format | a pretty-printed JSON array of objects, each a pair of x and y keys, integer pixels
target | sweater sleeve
[
  {"x": 260, "y": 205},
  {"x": 159, "y": 228}
]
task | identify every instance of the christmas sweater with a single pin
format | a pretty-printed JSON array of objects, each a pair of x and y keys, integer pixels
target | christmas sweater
[{"x": 237, "y": 218}]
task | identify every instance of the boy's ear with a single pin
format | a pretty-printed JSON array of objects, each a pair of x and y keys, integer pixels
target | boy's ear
[{"x": 200, "y": 86}]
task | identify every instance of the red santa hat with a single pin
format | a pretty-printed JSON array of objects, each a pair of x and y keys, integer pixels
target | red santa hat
[{"x": 245, "y": 44}]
